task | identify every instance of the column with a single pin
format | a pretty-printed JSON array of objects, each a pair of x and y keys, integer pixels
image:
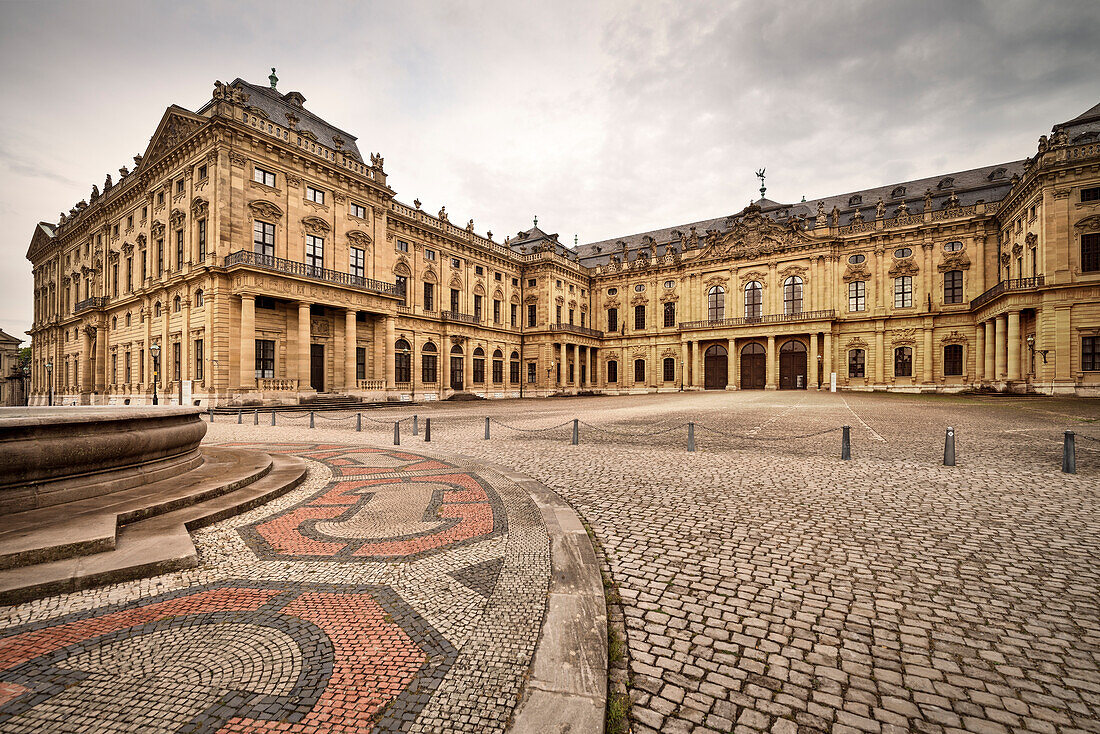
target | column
[
  {"x": 880, "y": 357},
  {"x": 999, "y": 359},
  {"x": 185, "y": 340},
  {"x": 101, "y": 358},
  {"x": 685, "y": 355},
  {"x": 304, "y": 381},
  {"x": 828, "y": 361},
  {"x": 697, "y": 365},
  {"x": 813, "y": 361},
  {"x": 349, "y": 350},
  {"x": 770, "y": 357},
  {"x": 928, "y": 356},
  {"x": 85, "y": 360},
  {"x": 1014, "y": 345},
  {"x": 147, "y": 359},
  {"x": 731, "y": 364},
  {"x": 990, "y": 373},
  {"x": 165, "y": 348},
  {"x": 979, "y": 353},
  {"x": 656, "y": 370},
  {"x": 248, "y": 342},
  {"x": 387, "y": 349},
  {"x": 591, "y": 357}
]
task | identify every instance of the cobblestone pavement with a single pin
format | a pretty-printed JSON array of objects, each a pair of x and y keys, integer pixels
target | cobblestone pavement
[
  {"x": 390, "y": 592},
  {"x": 769, "y": 586}
]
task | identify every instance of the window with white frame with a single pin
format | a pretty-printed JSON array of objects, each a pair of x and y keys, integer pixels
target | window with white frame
[
  {"x": 903, "y": 291},
  {"x": 356, "y": 262},
  {"x": 263, "y": 176},
  {"x": 315, "y": 195},
  {"x": 857, "y": 295},
  {"x": 358, "y": 210},
  {"x": 315, "y": 252}
]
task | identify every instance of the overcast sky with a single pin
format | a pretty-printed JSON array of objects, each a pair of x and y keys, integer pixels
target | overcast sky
[{"x": 603, "y": 118}]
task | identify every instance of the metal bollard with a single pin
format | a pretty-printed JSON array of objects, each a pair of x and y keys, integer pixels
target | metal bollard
[
  {"x": 311, "y": 419},
  {"x": 359, "y": 421},
  {"x": 486, "y": 429},
  {"x": 846, "y": 444},
  {"x": 256, "y": 417},
  {"x": 273, "y": 417},
  {"x": 211, "y": 411},
  {"x": 416, "y": 426},
  {"x": 691, "y": 436},
  {"x": 427, "y": 430},
  {"x": 397, "y": 433},
  {"x": 576, "y": 432},
  {"x": 238, "y": 416},
  {"x": 949, "y": 447},
  {"x": 1069, "y": 453}
]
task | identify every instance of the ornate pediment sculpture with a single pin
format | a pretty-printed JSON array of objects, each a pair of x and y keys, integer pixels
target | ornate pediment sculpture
[
  {"x": 856, "y": 343},
  {"x": 265, "y": 209},
  {"x": 901, "y": 337},
  {"x": 758, "y": 276},
  {"x": 199, "y": 207},
  {"x": 856, "y": 272},
  {"x": 752, "y": 235},
  {"x": 904, "y": 266},
  {"x": 953, "y": 337},
  {"x": 362, "y": 239},
  {"x": 1088, "y": 223},
  {"x": 315, "y": 225},
  {"x": 957, "y": 261}
]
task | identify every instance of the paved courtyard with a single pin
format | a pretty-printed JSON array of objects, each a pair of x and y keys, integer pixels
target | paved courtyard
[{"x": 765, "y": 584}]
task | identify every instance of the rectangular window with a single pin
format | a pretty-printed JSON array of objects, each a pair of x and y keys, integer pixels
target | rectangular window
[
  {"x": 670, "y": 315},
  {"x": 315, "y": 195},
  {"x": 114, "y": 279},
  {"x": 160, "y": 256},
  {"x": 477, "y": 307},
  {"x": 479, "y": 369},
  {"x": 612, "y": 319},
  {"x": 557, "y": 314},
  {"x": 179, "y": 249},
  {"x": 1090, "y": 194},
  {"x": 903, "y": 291},
  {"x": 903, "y": 362},
  {"x": 953, "y": 359},
  {"x": 857, "y": 296},
  {"x": 531, "y": 282},
  {"x": 498, "y": 277},
  {"x": 496, "y": 310},
  {"x": 532, "y": 313},
  {"x": 429, "y": 296},
  {"x": 498, "y": 371},
  {"x": 1090, "y": 252},
  {"x": 532, "y": 373},
  {"x": 953, "y": 286},
  {"x": 356, "y": 262},
  {"x": 176, "y": 360},
  {"x": 639, "y": 317},
  {"x": 315, "y": 253},
  {"x": 612, "y": 371},
  {"x": 199, "y": 359},
  {"x": 857, "y": 362},
  {"x": 515, "y": 282},
  {"x": 130, "y": 222},
  {"x": 639, "y": 370},
  {"x": 144, "y": 265},
  {"x": 263, "y": 238},
  {"x": 360, "y": 363},
  {"x": 514, "y": 308},
  {"x": 429, "y": 254},
  {"x": 402, "y": 246},
  {"x": 358, "y": 210},
  {"x": 114, "y": 369},
  {"x": 456, "y": 263},
  {"x": 402, "y": 284},
  {"x": 160, "y": 198},
  {"x": 265, "y": 358},
  {"x": 114, "y": 231},
  {"x": 1090, "y": 353},
  {"x": 669, "y": 367},
  {"x": 570, "y": 317},
  {"x": 454, "y": 300},
  {"x": 202, "y": 173},
  {"x": 478, "y": 270},
  {"x": 267, "y": 178},
  {"x": 202, "y": 240},
  {"x": 129, "y": 369}
]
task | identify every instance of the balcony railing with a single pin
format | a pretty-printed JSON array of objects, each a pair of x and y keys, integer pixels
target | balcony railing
[
  {"x": 93, "y": 302},
  {"x": 1016, "y": 284},
  {"x": 574, "y": 329},
  {"x": 456, "y": 316},
  {"x": 282, "y": 265},
  {"x": 774, "y": 318}
]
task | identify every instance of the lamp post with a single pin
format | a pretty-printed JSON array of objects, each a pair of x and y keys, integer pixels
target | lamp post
[
  {"x": 155, "y": 351},
  {"x": 1034, "y": 351},
  {"x": 49, "y": 383}
]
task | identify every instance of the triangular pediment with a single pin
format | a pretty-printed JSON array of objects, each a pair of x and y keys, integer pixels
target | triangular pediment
[
  {"x": 42, "y": 238},
  {"x": 175, "y": 126}
]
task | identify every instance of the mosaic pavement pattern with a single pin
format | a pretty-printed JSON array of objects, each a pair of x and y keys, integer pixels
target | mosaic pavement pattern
[{"x": 391, "y": 592}]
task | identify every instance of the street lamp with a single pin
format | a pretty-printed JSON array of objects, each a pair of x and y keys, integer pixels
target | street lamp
[
  {"x": 1031, "y": 346},
  {"x": 155, "y": 351},
  {"x": 49, "y": 382}
]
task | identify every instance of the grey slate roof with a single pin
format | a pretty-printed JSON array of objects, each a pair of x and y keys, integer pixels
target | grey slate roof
[
  {"x": 276, "y": 106},
  {"x": 989, "y": 183},
  {"x": 534, "y": 239},
  {"x": 1084, "y": 128}
]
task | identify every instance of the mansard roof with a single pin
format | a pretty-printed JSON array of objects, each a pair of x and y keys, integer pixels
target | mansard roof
[
  {"x": 277, "y": 106},
  {"x": 1083, "y": 128},
  {"x": 535, "y": 240},
  {"x": 988, "y": 183}
]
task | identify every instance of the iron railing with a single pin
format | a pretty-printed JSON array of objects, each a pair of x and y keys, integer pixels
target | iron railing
[
  {"x": 456, "y": 316},
  {"x": 773, "y": 318},
  {"x": 1015, "y": 284},
  {"x": 574, "y": 329},
  {"x": 93, "y": 302},
  {"x": 282, "y": 265}
]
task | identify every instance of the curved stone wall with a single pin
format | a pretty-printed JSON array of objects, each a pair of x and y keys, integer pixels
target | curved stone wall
[{"x": 54, "y": 455}]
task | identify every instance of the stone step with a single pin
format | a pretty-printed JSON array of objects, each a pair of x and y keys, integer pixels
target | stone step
[
  {"x": 89, "y": 525},
  {"x": 153, "y": 545}
]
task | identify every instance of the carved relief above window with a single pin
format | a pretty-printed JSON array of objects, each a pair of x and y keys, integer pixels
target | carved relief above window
[
  {"x": 958, "y": 261},
  {"x": 361, "y": 239},
  {"x": 856, "y": 272},
  {"x": 265, "y": 209},
  {"x": 903, "y": 267},
  {"x": 1088, "y": 224},
  {"x": 315, "y": 225}
]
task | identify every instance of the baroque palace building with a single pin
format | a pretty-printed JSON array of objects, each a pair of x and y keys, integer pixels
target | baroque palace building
[{"x": 266, "y": 261}]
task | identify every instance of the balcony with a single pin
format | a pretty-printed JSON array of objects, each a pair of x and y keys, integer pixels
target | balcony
[
  {"x": 775, "y": 318},
  {"x": 464, "y": 318},
  {"x": 281, "y": 265},
  {"x": 93, "y": 302},
  {"x": 579, "y": 330},
  {"x": 1016, "y": 284}
]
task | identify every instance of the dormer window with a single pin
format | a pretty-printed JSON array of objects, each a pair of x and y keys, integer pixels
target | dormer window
[
  {"x": 947, "y": 183},
  {"x": 855, "y": 200},
  {"x": 997, "y": 173},
  {"x": 898, "y": 192}
]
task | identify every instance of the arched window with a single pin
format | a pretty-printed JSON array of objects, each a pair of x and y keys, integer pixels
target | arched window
[
  {"x": 792, "y": 295},
  {"x": 639, "y": 370},
  {"x": 953, "y": 286},
  {"x": 716, "y": 303},
  {"x": 402, "y": 361},
  {"x": 857, "y": 363},
  {"x": 669, "y": 369},
  {"x": 457, "y": 349},
  {"x": 670, "y": 314},
  {"x": 114, "y": 322},
  {"x": 176, "y": 304},
  {"x": 513, "y": 368},
  {"x": 612, "y": 370},
  {"x": 903, "y": 362},
  {"x": 639, "y": 317},
  {"x": 754, "y": 299},
  {"x": 953, "y": 359},
  {"x": 479, "y": 364},
  {"x": 498, "y": 367},
  {"x": 199, "y": 298},
  {"x": 156, "y": 309},
  {"x": 128, "y": 317},
  {"x": 429, "y": 363}
]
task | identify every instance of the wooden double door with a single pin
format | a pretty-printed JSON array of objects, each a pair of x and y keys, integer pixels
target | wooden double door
[
  {"x": 754, "y": 366},
  {"x": 317, "y": 367},
  {"x": 715, "y": 367},
  {"x": 792, "y": 365}
]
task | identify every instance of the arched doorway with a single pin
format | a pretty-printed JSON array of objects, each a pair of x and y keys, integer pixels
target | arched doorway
[
  {"x": 753, "y": 366},
  {"x": 792, "y": 365},
  {"x": 457, "y": 367},
  {"x": 715, "y": 367}
]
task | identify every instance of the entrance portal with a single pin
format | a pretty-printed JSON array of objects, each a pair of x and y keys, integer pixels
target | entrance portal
[
  {"x": 753, "y": 367},
  {"x": 457, "y": 366},
  {"x": 792, "y": 366},
  {"x": 317, "y": 367},
  {"x": 715, "y": 367}
]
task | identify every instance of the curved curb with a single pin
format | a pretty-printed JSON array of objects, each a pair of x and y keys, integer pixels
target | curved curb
[{"x": 566, "y": 688}]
